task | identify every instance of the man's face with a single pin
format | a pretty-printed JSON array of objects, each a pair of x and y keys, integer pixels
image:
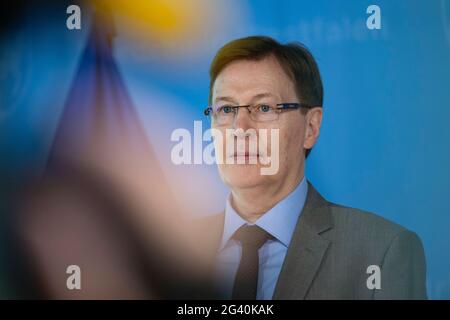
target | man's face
[{"x": 248, "y": 82}]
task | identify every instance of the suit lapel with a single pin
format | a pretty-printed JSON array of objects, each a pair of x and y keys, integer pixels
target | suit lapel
[{"x": 306, "y": 250}]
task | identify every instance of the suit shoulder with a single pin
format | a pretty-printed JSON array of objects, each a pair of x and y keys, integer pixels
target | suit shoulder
[
  {"x": 367, "y": 235},
  {"x": 364, "y": 221}
]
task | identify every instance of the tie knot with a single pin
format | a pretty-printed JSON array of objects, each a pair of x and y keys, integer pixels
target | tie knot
[{"x": 251, "y": 235}]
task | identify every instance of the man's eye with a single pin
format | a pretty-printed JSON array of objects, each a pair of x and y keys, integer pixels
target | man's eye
[
  {"x": 264, "y": 108},
  {"x": 225, "y": 109}
]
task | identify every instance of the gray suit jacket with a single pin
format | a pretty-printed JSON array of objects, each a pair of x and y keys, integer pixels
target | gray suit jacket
[{"x": 332, "y": 247}]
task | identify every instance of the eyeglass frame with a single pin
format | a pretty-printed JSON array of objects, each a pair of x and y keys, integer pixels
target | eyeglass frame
[{"x": 283, "y": 106}]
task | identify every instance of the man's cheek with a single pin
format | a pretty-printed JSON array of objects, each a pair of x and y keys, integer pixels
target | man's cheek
[{"x": 288, "y": 149}]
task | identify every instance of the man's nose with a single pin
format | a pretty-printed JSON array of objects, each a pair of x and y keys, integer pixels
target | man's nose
[{"x": 242, "y": 119}]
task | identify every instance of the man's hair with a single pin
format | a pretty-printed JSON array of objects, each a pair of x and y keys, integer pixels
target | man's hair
[{"x": 295, "y": 59}]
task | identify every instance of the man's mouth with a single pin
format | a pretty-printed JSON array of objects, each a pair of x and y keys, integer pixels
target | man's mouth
[
  {"x": 245, "y": 157},
  {"x": 244, "y": 154}
]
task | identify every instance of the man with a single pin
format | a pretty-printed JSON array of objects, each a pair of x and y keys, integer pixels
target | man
[{"x": 278, "y": 238}]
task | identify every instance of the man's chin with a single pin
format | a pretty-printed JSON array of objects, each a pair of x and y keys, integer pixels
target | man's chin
[{"x": 243, "y": 176}]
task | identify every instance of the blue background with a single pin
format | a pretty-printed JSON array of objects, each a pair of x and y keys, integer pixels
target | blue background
[{"x": 385, "y": 139}]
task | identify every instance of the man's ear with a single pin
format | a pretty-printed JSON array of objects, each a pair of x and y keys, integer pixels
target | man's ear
[{"x": 313, "y": 121}]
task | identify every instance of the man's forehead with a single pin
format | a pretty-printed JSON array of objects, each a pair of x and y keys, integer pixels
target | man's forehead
[
  {"x": 267, "y": 69},
  {"x": 250, "y": 79}
]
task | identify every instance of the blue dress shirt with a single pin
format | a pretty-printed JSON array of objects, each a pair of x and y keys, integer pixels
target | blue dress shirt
[{"x": 280, "y": 222}]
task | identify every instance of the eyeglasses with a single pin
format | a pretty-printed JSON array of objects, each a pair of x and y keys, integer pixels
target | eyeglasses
[{"x": 225, "y": 114}]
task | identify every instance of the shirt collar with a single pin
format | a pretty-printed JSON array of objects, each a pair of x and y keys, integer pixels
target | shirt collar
[{"x": 279, "y": 221}]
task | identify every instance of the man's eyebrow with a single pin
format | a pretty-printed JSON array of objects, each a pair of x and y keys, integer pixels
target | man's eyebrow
[
  {"x": 255, "y": 97},
  {"x": 224, "y": 98},
  {"x": 263, "y": 95}
]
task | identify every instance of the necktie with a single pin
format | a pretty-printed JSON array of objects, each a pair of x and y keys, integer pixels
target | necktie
[{"x": 246, "y": 280}]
